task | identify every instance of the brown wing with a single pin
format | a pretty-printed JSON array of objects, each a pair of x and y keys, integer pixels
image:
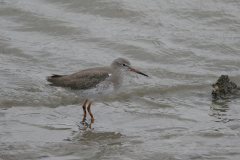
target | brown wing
[{"x": 84, "y": 79}]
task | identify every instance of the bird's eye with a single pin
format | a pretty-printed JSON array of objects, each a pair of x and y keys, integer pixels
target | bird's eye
[{"x": 124, "y": 64}]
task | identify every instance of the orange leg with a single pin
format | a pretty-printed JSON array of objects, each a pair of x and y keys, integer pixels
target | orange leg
[
  {"x": 84, "y": 108},
  {"x": 89, "y": 110}
]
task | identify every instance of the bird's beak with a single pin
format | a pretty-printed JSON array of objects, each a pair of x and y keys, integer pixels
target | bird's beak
[{"x": 134, "y": 70}]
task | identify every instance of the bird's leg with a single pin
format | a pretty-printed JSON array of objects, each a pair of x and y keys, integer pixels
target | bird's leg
[
  {"x": 89, "y": 110},
  {"x": 84, "y": 108}
]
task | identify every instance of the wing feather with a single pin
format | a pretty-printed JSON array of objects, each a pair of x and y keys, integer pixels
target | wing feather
[{"x": 84, "y": 79}]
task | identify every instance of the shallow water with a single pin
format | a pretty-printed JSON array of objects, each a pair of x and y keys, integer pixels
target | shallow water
[{"x": 183, "y": 46}]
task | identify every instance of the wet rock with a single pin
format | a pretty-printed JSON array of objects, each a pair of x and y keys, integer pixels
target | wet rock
[{"x": 224, "y": 87}]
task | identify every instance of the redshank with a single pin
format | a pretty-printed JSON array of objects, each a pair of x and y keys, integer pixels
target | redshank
[{"x": 95, "y": 82}]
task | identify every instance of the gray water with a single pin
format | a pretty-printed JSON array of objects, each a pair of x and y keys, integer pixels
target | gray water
[{"x": 184, "y": 46}]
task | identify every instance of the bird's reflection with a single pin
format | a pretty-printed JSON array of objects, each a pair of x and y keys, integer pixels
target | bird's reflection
[
  {"x": 111, "y": 138},
  {"x": 85, "y": 125}
]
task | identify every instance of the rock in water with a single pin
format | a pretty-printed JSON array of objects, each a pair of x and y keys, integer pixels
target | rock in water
[{"x": 223, "y": 87}]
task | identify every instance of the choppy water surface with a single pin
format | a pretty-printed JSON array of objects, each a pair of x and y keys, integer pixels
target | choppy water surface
[{"x": 183, "y": 45}]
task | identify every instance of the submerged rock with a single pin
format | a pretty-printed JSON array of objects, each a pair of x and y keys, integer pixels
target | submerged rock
[{"x": 223, "y": 87}]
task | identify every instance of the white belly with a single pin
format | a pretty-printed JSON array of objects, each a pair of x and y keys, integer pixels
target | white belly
[{"x": 102, "y": 89}]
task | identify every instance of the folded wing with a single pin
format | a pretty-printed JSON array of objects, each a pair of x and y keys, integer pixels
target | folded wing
[{"x": 84, "y": 79}]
